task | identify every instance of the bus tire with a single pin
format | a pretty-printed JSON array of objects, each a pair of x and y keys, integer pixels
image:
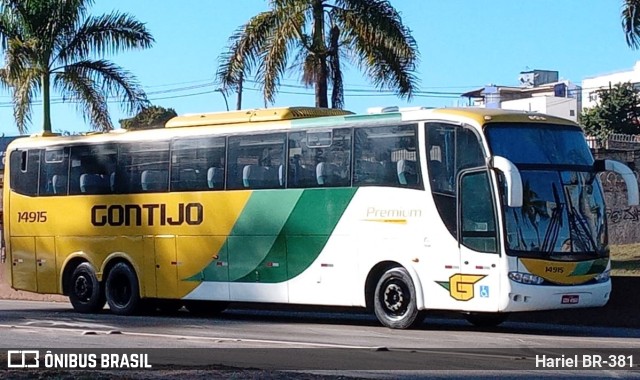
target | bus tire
[
  {"x": 486, "y": 319},
  {"x": 122, "y": 290},
  {"x": 206, "y": 307},
  {"x": 395, "y": 300},
  {"x": 85, "y": 293}
]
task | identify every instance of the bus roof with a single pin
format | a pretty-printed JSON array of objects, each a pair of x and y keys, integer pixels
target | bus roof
[
  {"x": 271, "y": 119},
  {"x": 498, "y": 115},
  {"x": 252, "y": 116}
]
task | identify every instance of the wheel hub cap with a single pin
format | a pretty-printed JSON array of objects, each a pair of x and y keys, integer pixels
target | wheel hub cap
[{"x": 393, "y": 297}]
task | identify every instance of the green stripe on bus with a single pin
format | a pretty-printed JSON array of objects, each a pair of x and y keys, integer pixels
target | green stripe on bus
[
  {"x": 257, "y": 228},
  {"x": 270, "y": 245},
  {"x": 304, "y": 235},
  {"x": 253, "y": 234},
  {"x": 590, "y": 267}
]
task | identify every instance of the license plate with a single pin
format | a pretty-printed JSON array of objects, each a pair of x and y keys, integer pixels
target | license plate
[{"x": 570, "y": 299}]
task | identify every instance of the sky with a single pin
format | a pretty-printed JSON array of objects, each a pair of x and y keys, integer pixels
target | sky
[{"x": 463, "y": 45}]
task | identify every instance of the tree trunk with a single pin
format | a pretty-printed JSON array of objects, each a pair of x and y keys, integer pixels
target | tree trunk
[
  {"x": 319, "y": 50},
  {"x": 46, "y": 104},
  {"x": 239, "y": 101}
]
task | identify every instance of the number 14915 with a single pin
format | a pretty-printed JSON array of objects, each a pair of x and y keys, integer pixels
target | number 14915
[{"x": 32, "y": 217}]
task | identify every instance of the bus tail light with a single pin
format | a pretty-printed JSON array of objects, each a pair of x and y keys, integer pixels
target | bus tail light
[{"x": 525, "y": 278}]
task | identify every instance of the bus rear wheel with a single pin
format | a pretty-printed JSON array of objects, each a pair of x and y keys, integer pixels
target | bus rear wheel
[
  {"x": 395, "y": 300},
  {"x": 486, "y": 319},
  {"x": 122, "y": 290},
  {"x": 85, "y": 293}
]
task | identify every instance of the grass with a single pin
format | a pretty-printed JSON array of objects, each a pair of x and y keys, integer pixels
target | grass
[{"x": 625, "y": 260}]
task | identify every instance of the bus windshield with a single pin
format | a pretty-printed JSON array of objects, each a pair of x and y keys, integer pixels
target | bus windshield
[
  {"x": 539, "y": 144},
  {"x": 563, "y": 211}
]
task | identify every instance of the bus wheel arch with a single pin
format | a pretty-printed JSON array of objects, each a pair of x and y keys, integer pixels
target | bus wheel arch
[
  {"x": 122, "y": 287},
  {"x": 392, "y": 294},
  {"x": 81, "y": 285}
]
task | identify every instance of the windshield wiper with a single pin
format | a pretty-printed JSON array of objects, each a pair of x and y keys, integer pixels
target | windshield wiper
[
  {"x": 578, "y": 227},
  {"x": 555, "y": 223}
]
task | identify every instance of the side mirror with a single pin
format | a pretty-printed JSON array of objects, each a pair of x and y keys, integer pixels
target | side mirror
[
  {"x": 512, "y": 178},
  {"x": 630, "y": 180}
]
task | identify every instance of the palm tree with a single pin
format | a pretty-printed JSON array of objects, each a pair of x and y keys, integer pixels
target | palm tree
[
  {"x": 315, "y": 35},
  {"x": 631, "y": 22},
  {"x": 51, "y": 43}
]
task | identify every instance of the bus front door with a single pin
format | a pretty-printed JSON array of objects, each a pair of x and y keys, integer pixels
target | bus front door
[{"x": 479, "y": 278}]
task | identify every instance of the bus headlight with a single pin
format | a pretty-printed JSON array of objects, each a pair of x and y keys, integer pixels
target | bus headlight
[
  {"x": 526, "y": 278},
  {"x": 603, "y": 277}
]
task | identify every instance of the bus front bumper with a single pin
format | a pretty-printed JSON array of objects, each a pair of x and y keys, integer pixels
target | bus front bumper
[{"x": 524, "y": 297}]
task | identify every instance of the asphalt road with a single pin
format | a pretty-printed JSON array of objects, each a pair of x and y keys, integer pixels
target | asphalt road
[{"x": 326, "y": 343}]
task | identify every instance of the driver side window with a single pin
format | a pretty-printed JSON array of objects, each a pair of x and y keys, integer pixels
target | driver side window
[{"x": 478, "y": 229}]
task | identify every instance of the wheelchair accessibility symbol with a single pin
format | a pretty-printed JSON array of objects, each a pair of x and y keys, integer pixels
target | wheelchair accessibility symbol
[{"x": 484, "y": 291}]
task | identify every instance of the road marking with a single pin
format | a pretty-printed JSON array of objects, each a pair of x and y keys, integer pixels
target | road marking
[{"x": 189, "y": 337}]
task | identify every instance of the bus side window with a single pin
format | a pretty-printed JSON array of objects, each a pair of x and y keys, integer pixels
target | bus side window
[
  {"x": 256, "y": 161},
  {"x": 24, "y": 172},
  {"x": 386, "y": 156},
  {"x": 198, "y": 163},
  {"x": 91, "y": 169},
  {"x": 54, "y": 172},
  {"x": 136, "y": 158},
  {"x": 302, "y": 169},
  {"x": 333, "y": 163}
]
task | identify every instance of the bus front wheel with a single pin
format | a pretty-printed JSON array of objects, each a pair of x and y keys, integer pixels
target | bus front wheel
[
  {"x": 395, "y": 300},
  {"x": 85, "y": 293},
  {"x": 122, "y": 290}
]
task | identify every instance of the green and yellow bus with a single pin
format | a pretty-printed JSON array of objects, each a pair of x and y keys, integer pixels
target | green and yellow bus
[{"x": 481, "y": 211}]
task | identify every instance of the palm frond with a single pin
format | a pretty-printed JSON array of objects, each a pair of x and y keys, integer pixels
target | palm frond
[
  {"x": 308, "y": 68},
  {"x": 10, "y": 28},
  {"x": 244, "y": 49},
  {"x": 291, "y": 16},
  {"x": 91, "y": 102},
  {"x": 383, "y": 46},
  {"x": 631, "y": 22},
  {"x": 19, "y": 56},
  {"x": 41, "y": 38},
  {"x": 24, "y": 90},
  {"x": 112, "y": 80},
  {"x": 88, "y": 96},
  {"x": 102, "y": 35}
]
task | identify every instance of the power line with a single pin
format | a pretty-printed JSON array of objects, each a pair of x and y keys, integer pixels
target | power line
[{"x": 349, "y": 91}]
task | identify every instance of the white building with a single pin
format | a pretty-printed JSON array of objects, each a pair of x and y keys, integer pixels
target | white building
[
  {"x": 591, "y": 85},
  {"x": 552, "y": 105},
  {"x": 540, "y": 91}
]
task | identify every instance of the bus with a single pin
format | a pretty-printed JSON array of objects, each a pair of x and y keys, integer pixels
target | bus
[{"x": 486, "y": 212}]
